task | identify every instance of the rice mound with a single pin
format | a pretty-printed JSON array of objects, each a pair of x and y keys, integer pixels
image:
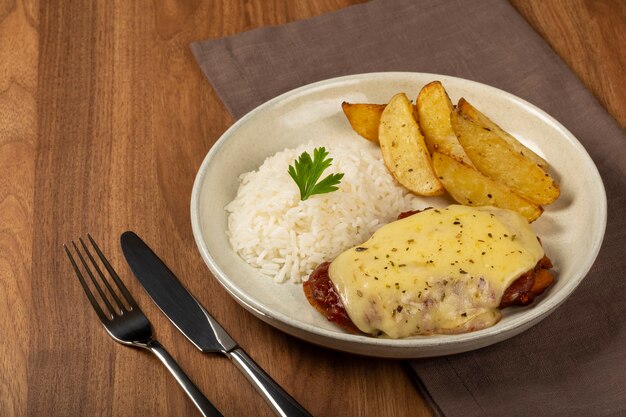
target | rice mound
[{"x": 285, "y": 238}]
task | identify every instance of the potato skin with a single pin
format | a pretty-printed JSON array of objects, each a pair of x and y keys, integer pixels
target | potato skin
[
  {"x": 411, "y": 135},
  {"x": 494, "y": 157},
  {"x": 364, "y": 118},
  {"x": 468, "y": 186},
  {"x": 433, "y": 115},
  {"x": 474, "y": 114},
  {"x": 403, "y": 148}
]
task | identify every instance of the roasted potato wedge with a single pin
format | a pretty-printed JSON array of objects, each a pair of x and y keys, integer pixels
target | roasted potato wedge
[
  {"x": 468, "y": 186},
  {"x": 403, "y": 148},
  {"x": 494, "y": 157},
  {"x": 433, "y": 115},
  {"x": 364, "y": 118},
  {"x": 471, "y": 112}
]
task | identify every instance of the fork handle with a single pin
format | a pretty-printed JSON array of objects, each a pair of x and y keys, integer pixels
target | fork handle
[
  {"x": 204, "y": 405},
  {"x": 279, "y": 400}
]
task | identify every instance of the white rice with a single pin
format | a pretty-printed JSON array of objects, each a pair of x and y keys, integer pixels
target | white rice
[{"x": 285, "y": 238}]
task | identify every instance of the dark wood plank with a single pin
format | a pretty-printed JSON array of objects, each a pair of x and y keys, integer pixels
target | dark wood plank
[{"x": 18, "y": 141}]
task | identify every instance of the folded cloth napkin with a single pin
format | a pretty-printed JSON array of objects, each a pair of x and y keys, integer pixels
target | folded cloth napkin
[{"x": 574, "y": 362}]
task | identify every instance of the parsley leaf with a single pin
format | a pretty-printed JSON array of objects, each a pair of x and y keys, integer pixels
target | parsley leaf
[{"x": 306, "y": 171}]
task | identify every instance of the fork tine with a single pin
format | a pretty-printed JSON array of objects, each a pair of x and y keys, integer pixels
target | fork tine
[
  {"x": 102, "y": 277},
  {"x": 103, "y": 317},
  {"x": 129, "y": 298},
  {"x": 93, "y": 280}
]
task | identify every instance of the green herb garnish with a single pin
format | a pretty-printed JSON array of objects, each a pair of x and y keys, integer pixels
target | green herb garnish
[{"x": 305, "y": 172}]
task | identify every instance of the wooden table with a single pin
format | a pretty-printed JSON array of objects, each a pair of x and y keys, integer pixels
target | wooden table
[{"x": 104, "y": 120}]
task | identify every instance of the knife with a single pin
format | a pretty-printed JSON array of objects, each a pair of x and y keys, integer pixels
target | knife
[{"x": 197, "y": 324}]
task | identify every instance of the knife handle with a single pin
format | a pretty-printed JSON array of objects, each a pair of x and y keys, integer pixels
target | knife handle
[
  {"x": 201, "y": 402},
  {"x": 281, "y": 403}
]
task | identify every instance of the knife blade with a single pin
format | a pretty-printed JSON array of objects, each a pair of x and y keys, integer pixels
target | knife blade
[{"x": 188, "y": 315}]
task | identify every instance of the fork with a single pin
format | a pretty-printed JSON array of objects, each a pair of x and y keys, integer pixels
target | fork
[{"x": 127, "y": 324}]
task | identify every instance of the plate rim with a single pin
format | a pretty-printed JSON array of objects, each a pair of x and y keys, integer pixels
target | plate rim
[{"x": 410, "y": 346}]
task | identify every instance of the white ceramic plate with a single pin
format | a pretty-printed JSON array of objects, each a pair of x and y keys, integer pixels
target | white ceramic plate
[{"x": 571, "y": 229}]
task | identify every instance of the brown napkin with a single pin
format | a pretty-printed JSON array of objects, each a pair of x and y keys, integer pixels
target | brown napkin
[{"x": 574, "y": 362}]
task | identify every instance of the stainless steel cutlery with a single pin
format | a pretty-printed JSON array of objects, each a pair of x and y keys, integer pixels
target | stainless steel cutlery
[
  {"x": 124, "y": 320},
  {"x": 197, "y": 324},
  {"x": 126, "y": 323}
]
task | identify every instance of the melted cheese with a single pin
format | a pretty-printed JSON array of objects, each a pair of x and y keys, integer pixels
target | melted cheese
[{"x": 438, "y": 271}]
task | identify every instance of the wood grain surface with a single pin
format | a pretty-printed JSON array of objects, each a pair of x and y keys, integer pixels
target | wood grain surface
[{"x": 104, "y": 120}]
